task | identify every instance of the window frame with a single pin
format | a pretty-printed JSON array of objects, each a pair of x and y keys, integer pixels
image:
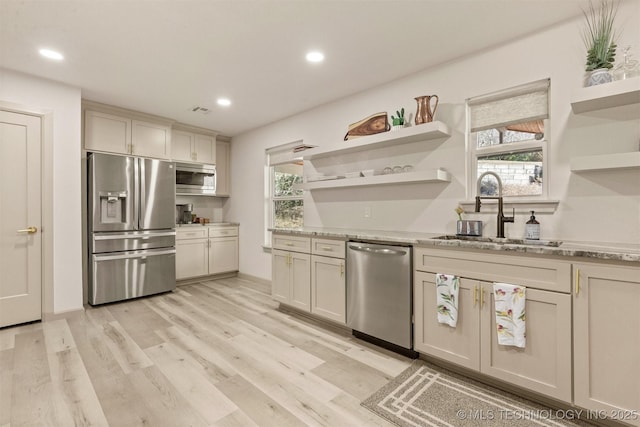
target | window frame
[
  {"x": 273, "y": 198},
  {"x": 473, "y": 152},
  {"x": 275, "y": 156}
]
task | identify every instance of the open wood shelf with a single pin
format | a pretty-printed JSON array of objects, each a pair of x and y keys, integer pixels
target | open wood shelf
[
  {"x": 423, "y": 132},
  {"x": 607, "y": 95},
  {"x": 430, "y": 176},
  {"x": 606, "y": 162}
]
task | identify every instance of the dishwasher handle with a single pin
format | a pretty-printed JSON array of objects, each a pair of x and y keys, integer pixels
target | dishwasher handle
[{"x": 378, "y": 251}]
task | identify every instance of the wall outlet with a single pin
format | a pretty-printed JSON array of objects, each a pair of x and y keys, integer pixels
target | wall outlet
[{"x": 367, "y": 212}]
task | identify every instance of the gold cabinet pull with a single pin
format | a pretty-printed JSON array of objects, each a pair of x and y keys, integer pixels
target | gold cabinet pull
[
  {"x": 29, "y": 230},
  {"x": 341, "y": 270},
  {"x": 475, "y": 295},
  {"x": 482, "y": 297},
  {"x": 577, "y": 281}
]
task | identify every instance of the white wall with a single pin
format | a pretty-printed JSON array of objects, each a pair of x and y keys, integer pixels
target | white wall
[
  {"x": 64, "y": 101},
  {"x": 598, "y": 206}
]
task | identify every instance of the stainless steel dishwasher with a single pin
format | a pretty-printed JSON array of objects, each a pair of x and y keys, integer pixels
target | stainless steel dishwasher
[{"x": 379, "y": 295}]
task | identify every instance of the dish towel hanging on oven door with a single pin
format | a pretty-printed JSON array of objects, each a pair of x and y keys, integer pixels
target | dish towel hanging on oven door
[
  {"x": 510, "y": 314},
  {"x": 447, "y": 287}
]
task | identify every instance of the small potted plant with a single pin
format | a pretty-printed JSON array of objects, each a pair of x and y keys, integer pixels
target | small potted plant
[
  {"x": 398, "y": 122},
  {"x": 599, "y": 38}
]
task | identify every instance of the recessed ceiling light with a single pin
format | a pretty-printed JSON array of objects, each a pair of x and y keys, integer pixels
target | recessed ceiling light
[
  {"x": 51, "y": 54},
  {"x": 315, "y": 56},
  {"x": 224, "y": 102}
]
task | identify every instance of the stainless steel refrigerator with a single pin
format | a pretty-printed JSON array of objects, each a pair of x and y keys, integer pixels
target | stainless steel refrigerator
[{"x": 131, "y": 227}]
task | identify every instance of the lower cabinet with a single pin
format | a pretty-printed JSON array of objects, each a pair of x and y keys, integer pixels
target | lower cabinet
[
  {"x": 291, "y": 278},
  {"x": 543, "y": 366},
  {"x": 328, "y": 290},
  {"x": 606, "y": 340},
  {"x": 191, "y": 252},
  {"x": 202, "y": 251},
  {"x": 308, "y": 281}
]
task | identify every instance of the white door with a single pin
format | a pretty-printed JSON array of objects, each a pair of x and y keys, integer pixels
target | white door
[{"x": 20, "y": 219}]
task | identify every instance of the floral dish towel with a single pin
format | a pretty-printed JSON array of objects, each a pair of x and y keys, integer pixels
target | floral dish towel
[
  {"x": 447, "y": 298},
  {"x": 510, "y": 314}
]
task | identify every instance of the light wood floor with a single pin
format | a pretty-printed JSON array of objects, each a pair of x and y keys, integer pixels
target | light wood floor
[{"x": 216, "y": 353}]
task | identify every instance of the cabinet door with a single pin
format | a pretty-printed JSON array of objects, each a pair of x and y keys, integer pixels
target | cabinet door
[
  {"x": 223, "y": 255},
  {"x": 182, "y": 144},
  {"x": 606, "y": 338},
  {"x": 328, "y": 290},
  {"x": 151, "y": 139},
  {"x": 106, "y": 132},
  {"x": 300, "y": 270},
  {"x": 460, "y": 345},
  {"x": 205, "y": 149},
  {"x": 223, "y": 152},
  {"x": 280, "y": 277},
  {"x": 191, "y": 258},
  {"x": 544, "y": 365}
]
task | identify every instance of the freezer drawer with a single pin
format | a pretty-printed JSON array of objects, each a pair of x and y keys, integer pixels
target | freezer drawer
[
  {"x": 132, "y": 241},
  {"x": 120, "y": 276}
]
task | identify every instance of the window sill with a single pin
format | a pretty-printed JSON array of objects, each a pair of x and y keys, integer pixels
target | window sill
[
  {"x": 266, "y": 249},
  {"x": 521, "y": 206}
]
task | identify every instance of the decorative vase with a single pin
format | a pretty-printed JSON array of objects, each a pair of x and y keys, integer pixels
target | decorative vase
[
  {"x": 425, "y": 111},
  {"x": 599, "y": 76}
]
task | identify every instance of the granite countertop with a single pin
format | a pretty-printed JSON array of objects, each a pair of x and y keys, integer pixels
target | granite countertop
[{"x": 595, "y": 250}]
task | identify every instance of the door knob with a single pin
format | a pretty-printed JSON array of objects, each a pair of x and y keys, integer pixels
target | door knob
[{"x": 29, "y": 230}]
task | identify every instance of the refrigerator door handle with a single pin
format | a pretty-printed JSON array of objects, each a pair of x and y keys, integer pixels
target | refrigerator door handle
[
  {"x": 139, "y": 255},
  {"x": 140, "y": 205}
]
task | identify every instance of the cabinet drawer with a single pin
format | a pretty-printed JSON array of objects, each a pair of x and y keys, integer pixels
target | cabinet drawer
[
  {"x": 291, "y": 243},
  {"x": 539, "y": 273},
  {"x": 327, "y": 247},
  {"x": 191, "y": 233},
  {"x": 223, "y": 231}
]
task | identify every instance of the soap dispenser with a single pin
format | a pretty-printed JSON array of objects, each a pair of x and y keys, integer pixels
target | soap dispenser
[{"x": 532, "y": 228}]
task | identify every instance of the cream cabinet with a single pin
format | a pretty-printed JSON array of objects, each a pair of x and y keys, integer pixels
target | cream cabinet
[
  {"x": 223, "y": 161},
  {"x": 107, "y": 132},
  {"x": 191, "y": 252},
  {"x": 124, "y": 135},
  {"x": 223, "y": 249},
  {"x": 291, "y": 271},
  {"x": 328, "y": 285},
  {"x": 544, "y": 365},
  {"x": 606, "y": 340},
  {"x": 202, "y": 251},
  {"x": 193, "y": 147}
]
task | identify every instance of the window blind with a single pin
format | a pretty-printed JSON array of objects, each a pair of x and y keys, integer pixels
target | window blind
[{"x": 516, "y": 105}]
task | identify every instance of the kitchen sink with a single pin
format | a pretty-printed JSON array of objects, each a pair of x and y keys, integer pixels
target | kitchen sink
[{"x": 499, "y": 240}]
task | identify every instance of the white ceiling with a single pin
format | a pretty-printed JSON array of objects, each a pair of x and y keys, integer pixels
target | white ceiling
[{"x": 165, "y": 56}]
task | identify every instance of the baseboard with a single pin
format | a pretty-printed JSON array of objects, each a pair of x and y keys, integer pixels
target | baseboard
[
  {"x": 48, "y": 317},
  {"x": 199, "y": 279},
  {"x": 305, "y": 316},
  {"x": 254, "y": 279}
]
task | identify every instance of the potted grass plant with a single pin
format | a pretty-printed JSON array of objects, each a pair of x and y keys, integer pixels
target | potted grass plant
[{"x": 599, "y": 37}]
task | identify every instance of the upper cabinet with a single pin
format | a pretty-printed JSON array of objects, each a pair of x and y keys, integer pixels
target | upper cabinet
[
  {"x": 121, "y": 134},
  {"x": 223, "y": 158},
  {"x": 193, "y": 147},
  {"x": 106, "y": 132}
]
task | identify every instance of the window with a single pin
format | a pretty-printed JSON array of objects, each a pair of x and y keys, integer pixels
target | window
[
  {"x": 507, "y": 136},
  {"x": 284, "y": 205}
]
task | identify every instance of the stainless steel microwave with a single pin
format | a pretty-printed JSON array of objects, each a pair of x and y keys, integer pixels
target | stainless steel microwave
[{"x": 195, "y": 179}]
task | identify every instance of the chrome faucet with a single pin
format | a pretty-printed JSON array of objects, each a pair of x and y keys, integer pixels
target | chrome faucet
[{"x": 501, "y": 218}]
